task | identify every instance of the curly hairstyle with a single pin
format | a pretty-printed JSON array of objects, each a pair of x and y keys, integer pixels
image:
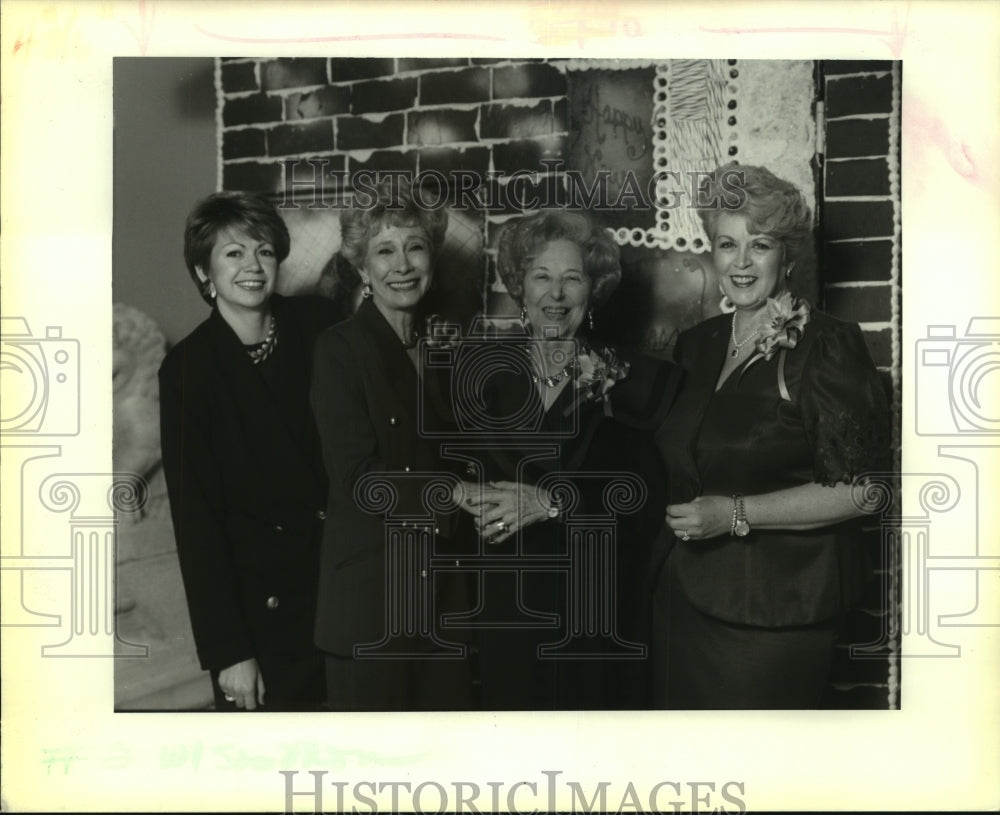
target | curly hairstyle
[
  {"x": 522, "y": 239},
  {"x": 390, "y": 206},
  {"x": 770, "y": 204},
  {"x": 251, "y": 212}
]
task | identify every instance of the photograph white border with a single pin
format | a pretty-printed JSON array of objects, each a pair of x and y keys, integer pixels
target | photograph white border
[{"x": 63, "y": 747}]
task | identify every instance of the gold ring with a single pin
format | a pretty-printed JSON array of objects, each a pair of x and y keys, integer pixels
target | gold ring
[{"x": 501, "y": 526}]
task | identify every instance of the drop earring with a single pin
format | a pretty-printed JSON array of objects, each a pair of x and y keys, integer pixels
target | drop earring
[
  {"x": 590, "y": 320},
  {"x": 366, "y": 290},
  {"x": 211, "y": 290},
  {"x": 524, "y": 316},
  {"x": 788, "y": 271}
]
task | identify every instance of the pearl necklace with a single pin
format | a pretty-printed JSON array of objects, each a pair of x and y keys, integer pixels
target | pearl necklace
[
  {"x": 744, "y": 341},
  {"x": 258, "y": 353}
]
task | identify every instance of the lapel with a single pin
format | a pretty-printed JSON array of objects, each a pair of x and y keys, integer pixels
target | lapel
[
  {"x": 390, "y": 357},
  {"x": 706, "y": 346}
]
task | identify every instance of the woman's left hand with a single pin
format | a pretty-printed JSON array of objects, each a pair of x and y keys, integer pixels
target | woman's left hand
[
  {"x": 501, "y": 508},
  {"x": 707, "y": 516}
]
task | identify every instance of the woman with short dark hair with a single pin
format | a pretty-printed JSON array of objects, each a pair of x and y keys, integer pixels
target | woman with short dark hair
[{"x": 241, "y": 459}]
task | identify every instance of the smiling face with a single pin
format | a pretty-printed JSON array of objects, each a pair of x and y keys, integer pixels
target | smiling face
[
  {"x": 243, "y": 270},
  {"x": 557, "y": 289},
  {"x": 397, "y": 266},
  {"x": 750, "y": 265}
]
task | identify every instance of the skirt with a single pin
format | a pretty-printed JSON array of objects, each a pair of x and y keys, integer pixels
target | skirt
[{"x": 703, "y": 663}]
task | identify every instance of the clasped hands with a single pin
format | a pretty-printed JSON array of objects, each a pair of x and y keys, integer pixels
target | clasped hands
[
  {"x": 707, "y": 516},
  {"x": 501, "y": 508}
]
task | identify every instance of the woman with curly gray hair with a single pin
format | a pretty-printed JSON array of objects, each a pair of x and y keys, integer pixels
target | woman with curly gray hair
[
  {"x": 559, "y": 384},
  {"x": 781, "y": 417}
]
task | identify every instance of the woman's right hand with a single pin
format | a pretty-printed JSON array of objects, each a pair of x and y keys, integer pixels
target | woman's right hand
[{"x": 243, "y": 684}]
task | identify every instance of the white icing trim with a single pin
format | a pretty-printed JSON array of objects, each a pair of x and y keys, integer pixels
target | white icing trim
[
  {"x": 604, "y": 64},
  {"x": 690, "y": 130},
  {"x": 220, "y": 100},
  {"x": 894, "y": 190}
]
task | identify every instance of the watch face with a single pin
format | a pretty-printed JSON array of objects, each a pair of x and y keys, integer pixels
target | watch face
[{"x": 742, "y": 528}]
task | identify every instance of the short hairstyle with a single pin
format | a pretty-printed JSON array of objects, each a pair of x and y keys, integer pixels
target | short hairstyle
[
  {"x": 251, "y": 212},
  {"x": 770, "y": 204},
  {"x": 523, "y": 238},
  {"x": 392, "y": 205}
]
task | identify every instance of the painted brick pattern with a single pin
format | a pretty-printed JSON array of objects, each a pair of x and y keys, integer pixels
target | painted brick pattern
[{"x": 856, "y": 258}]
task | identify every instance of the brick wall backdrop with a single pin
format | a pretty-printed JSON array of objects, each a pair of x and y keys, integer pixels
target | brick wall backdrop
[
  {"x": 858, "y": 241},
  {"x": 505, "y": 116}
]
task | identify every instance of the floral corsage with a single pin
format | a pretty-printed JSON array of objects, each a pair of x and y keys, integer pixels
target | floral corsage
[
  {"x": 440, "y": 333},
  {"x": 783, "y": 323},
  {"x": 597, "y": 372}
]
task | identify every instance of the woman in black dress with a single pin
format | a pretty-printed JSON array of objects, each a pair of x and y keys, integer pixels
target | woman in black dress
[
  {"x": 781, "y": 416},
  {"x": 553, "y": 608},
  {"x": 241, "y": 459}
]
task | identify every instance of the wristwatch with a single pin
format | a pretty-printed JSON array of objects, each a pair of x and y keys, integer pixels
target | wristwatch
[{"x": 741, "y": 527}]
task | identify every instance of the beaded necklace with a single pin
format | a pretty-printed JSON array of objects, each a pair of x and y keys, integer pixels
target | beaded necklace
[
  {"x": 738, "y": 345},
  {"x": 262, "y": 350}
]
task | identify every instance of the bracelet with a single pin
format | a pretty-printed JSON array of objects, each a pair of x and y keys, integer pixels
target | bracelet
[{"x": 741, "y": 527}]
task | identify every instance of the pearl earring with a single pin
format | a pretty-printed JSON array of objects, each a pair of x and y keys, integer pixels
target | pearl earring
[{"x": 366, "y": 290}]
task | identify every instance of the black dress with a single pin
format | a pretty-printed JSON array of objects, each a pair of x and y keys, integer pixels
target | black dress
[
  {"x": 560, "y": 609},
  {"x": 750, "y": 622}
]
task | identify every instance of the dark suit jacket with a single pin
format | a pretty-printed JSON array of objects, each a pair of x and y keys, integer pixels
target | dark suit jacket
[
  {"x": 365, "y": 396},
  {"x": 829, "y": 425},
  {"x": 246, "y": 486}
]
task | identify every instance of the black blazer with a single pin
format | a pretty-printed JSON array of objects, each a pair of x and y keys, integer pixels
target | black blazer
[
  {"x": 365, "y": 397},
  {"x": 246, "y": 485}
]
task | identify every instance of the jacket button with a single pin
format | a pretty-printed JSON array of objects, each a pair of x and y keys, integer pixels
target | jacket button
[
  {"x": 279, "y": 528},
  {"x": 272, "y": 602},
  {"x": 458, "y": 563},
  {"x": 423, "y": 573},
  {"x": 320, "y": 515},
  {"x": 393, "y": 420},
  {"x": 406, "y": 469},
  {"x": 437, "y": 531}
]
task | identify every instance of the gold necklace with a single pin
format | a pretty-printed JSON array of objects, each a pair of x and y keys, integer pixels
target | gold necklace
[{"x": 553, "y": 379}]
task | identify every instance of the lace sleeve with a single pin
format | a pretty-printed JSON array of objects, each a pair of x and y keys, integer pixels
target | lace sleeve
[{"x": 844, "y": 407}]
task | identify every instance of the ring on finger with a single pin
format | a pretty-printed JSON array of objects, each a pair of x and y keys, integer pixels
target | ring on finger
[
  {"x": 230, "y": 698},
  {"x": 685, "y": 537},
  {"x": 501, "y": 526}
]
